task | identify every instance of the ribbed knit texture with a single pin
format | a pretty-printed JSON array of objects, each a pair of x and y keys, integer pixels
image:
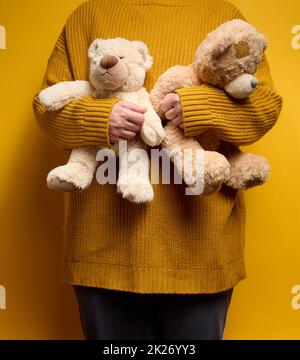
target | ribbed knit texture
[{"x": 177, "y": 243}]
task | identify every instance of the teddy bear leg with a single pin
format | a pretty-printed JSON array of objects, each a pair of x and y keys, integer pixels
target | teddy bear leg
[
  {"x": 247, "y": 170},
  {"x": 216, "y": 171},
  {"x": 176, "y": 146},
  {"x": 204, "y": 171},
  {"x": 133, "y": 181},
  {"x": 77, "y": 174}
]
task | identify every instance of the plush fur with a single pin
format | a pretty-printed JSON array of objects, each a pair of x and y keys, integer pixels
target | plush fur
[
  {"x": 129, "y": 61},
  {"x": 232, "y": 49},
  {"x": 228, "y": 57}
]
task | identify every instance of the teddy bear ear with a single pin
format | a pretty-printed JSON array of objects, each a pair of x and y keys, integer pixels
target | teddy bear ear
[
  {"x": 221, "y": 47},
  {"x": 143, "y": 50},
  {"x": 93, "y": 49},
  {"x": 264, "y": 41}
]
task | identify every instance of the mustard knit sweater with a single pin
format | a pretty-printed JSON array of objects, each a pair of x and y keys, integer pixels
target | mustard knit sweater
[{"x": 177, "y": 243}]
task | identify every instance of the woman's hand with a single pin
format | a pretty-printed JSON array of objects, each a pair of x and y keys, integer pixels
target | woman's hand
[
  {"x": 171, "y": 106},
  {"x": 126, "y": 120}
]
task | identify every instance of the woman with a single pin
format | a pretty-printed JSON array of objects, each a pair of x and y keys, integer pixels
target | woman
[{"x": 165, "y": 270}]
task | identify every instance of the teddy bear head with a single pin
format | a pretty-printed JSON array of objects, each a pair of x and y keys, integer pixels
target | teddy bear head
[
  {"x": 229, "y": 56},
  {"x": 118, "y": 64}
]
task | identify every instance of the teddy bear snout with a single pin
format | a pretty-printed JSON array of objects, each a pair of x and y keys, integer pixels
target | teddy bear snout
[{"x": 108, "y": 61}]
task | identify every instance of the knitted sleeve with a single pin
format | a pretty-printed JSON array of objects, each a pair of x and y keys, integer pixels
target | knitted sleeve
[
  {"x": 84, "y": 122},
  {"x": 241, "y": 122}
]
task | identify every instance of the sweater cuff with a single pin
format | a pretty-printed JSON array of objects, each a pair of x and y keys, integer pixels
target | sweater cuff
[
  {"x": 196, "y": 108},
  {"x": 95, "y": 115}
]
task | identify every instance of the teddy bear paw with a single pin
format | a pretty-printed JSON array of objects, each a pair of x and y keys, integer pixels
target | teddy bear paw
[
  {"x": 248, "y": 170},
  {"x": 216, "y": 172},
  {"x": 69, "y": 177},
  {"x": 152, "y": 134},
  {"x": 136, "y": 193}
]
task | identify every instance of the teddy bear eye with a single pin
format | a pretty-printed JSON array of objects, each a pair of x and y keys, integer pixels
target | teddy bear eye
[{"x": 121, "y": 57}]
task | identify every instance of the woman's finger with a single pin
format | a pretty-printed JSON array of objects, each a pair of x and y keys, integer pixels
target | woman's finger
[
  {"x": 127, "y": 134},
  {"x": 169, "y": 102},
  {"x": 171, "y": 114},
  {"x": 177, "y": 121},
  {"x": 134, "y": 117},
  {"x": 132, "y": 127},
  {"x": 134, "y": 107}
]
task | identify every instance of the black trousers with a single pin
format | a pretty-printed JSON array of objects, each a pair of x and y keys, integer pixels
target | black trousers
[{"x": 107, "y": 314}]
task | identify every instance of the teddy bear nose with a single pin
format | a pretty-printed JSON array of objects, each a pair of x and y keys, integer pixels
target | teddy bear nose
[
  {"x": 254, "y": 83},
  {"x": 108, "y": 61}
]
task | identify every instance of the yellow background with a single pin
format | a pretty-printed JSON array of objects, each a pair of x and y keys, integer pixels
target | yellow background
[{"x": 38, "y": 305}]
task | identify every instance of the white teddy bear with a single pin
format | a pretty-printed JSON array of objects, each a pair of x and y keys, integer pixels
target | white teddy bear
[{"x": 117, "y": 70}]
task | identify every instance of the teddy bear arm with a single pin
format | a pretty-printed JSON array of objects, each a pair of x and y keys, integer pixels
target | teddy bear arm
[
  {"x": 61, "y": 94},
  {"x": 152, "y": 131},
  {"x": 174, "y": 78}
]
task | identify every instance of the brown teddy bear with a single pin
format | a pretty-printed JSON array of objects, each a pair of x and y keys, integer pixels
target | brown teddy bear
[{"x": 226, "y": 58}]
